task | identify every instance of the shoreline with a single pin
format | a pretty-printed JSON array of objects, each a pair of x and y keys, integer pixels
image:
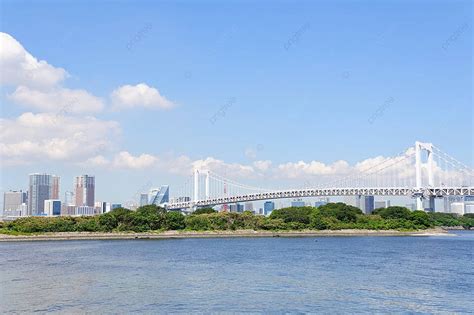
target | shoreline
[{"x": 65, "y": 236}]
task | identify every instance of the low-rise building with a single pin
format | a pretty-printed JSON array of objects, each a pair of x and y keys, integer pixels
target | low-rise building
[
  {"x": 457, "y": 208},
  {"x": 52, "y": 207}
]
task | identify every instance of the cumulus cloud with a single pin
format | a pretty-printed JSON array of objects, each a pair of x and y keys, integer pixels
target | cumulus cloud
[
  {"x": 180, "y": 165},
  {"x": 19, "y": 67},
  {"x": 60, "y": 100},
  {"x": 262, "y": 166},
  {"x": 126, "y": 160},
  {"x": 140, "y": 95},
  {"x": 231, "y": 170},
  {"x": 98, "y": 160},
  {"x": 303, "y": 169},
  {"x": 46, "y": 136}
]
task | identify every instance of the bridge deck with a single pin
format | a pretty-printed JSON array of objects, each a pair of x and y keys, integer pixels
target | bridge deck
[{"x": 329, "y": 192}]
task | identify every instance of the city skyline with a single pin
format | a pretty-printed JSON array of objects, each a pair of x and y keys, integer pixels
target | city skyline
[
  {"x": 150, "y": 121},
  {"x": 236, "y": 156}
]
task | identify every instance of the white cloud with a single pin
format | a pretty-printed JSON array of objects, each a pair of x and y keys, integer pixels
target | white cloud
[
  {"x": 98, "y": 160},
  {"x": 181, "y": 165},
  {"x": 303, "y": 169},
  {"x": 59, "y": 100},
  {"x": 19, "y": 67},
  {"x": 229, "y": 170},
  {"x": 262, "y": 166},
  {"x": 36, "y": 137},
  {"x": 140, "y": 95},
  {"x": 125, "y": 160}
]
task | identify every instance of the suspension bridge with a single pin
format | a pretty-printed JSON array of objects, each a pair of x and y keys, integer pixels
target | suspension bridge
[{"x": 420, "y": 172}]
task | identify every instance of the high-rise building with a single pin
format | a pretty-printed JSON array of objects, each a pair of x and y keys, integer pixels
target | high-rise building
[
  {"x": 268, "y": 207},
  {"x": 52, "y": 207},
  {"x": 382, "y": 204},
  {"x": 159, "y": 196},
  {"x": 298, "y": 203},
  {"x": 143, "y": 200},
  {"x": 84, "y": 190},
  {"x": 367, "y": 204},
  {"x": 248, "y": 206},
  {"x": 55, "y": 183},
  {"x": 354, "y": 201},
  {"x": 39, "y": 190},
  {"x": 236, "y": 207},
  {"x": 13, "y": 200}
]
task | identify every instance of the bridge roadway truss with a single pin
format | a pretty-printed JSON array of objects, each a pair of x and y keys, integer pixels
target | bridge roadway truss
[{"x": 437, "y": 192}]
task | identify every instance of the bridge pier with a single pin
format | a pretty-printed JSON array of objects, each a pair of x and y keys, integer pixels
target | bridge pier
[{"x": 419, "y": 203}]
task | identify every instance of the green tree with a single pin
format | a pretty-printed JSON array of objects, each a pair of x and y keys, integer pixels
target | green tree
[
  {"x": 174, "y": 221},
  {"x": 340, "y": 211},
  {"x": 293, "y": 214},
  {"x": 394, "y": 212},
  {"x": 204, "y": 211},
  {"x": 420, "y": 219}
]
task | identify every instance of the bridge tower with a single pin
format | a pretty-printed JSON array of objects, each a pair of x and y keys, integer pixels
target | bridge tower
[
  {"x": 196, "y": 185},
  {"x": 419, "y": 148},
  {"x": 207, "y": 193}
]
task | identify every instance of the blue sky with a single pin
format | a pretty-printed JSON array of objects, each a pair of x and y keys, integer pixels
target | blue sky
[{"x": 311, "y": 81}]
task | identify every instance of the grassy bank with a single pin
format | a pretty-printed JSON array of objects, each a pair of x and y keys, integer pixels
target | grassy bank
[
  {"x": 334, "y": 216},
  {"x": 59, "y": 236}
]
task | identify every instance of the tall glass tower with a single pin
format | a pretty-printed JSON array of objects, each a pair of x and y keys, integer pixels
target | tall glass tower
[
  {"x": 84, "y": 190},
  {"x": 39, "y": 190},
  {"x": 160, "y": 196}
]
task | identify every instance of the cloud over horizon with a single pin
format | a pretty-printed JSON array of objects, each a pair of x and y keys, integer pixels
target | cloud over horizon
[{"x": 140, "y": 95}]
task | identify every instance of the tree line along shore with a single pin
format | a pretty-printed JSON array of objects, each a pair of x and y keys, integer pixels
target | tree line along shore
[{"x": 333, "y": 216}]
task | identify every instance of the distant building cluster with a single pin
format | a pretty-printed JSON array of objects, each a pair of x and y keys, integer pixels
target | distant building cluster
[
  {"x": 43, "y": 198},
  {"x": 159, "y": 196},
  {"x": 459, "y": 205}
]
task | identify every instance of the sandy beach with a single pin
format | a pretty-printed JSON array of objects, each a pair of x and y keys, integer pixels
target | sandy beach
[{"x": 213, "y": 234}]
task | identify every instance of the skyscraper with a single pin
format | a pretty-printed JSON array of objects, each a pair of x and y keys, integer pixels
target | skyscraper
[
  {"x": 368, "y": 204},
  {"x": 159, "y": 196},
  {"x": 55, "y": 187},
  {"x": 143, "y": 200},
  {"x": 84, "y": 190},
  {"x": 268, "y": 207},
  {"x": 39, "y": 191},
  {"x": 248, "y": 206}
]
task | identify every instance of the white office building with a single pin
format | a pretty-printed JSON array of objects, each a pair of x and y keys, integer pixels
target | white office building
[
  {"x": 52, "y": 207},
  {"x": 457, "y": 207}
]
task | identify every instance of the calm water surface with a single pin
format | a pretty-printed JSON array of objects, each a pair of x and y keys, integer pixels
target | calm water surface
[{"x": 273, "y": 275}]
